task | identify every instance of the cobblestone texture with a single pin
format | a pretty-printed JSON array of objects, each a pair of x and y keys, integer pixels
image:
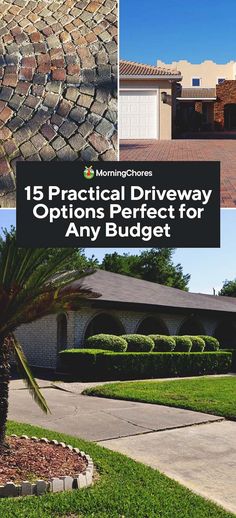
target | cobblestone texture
[{"x": 57, "y": 83}]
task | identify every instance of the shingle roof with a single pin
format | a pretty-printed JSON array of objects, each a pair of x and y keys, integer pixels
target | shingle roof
[
  {"x": 198, "y": 93},
  {"x": 131, "y": 68},
  {"x": 116, "y": 288}
]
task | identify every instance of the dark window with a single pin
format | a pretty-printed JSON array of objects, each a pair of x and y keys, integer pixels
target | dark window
[
  {"x": 196, "y": 81},
  {"x": 221, "y": 80},
  {"x": 61, "y": 332}
]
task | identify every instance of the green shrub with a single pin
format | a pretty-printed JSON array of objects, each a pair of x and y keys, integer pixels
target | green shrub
[
  {"x": 139, "y": 343},
  {"x": 233, "y": 352},
  {"x": 198, "y": 344},
  {"x": 211, "y": 343},
  {"x": 93, "y": 365},
  {"x": 163, "y": 343},
  {"x": 106, "y": 342},
  {"x": 182, "y": 344}
]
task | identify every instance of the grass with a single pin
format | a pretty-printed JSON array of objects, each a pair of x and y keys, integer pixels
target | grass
[
  {"x": 125, "y": 489},
  {"x": 209, "y": 395}
]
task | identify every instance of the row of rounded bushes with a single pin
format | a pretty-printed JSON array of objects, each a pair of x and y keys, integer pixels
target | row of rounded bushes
[{"x": 152, "y": 343}]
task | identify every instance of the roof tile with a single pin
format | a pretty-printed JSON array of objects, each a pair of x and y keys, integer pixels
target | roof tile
[{"x": 131, "y": 68}]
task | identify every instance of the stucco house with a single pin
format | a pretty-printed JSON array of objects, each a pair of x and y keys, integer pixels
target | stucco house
[
  {"x": 146, "y": 100},
  {"x": 128, "y": 305},
  {"x": 163, "y": 101},
  {"x": 207, "y": 89}
]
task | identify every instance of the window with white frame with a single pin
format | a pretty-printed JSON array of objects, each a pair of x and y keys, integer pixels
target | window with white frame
[{"x": 221, "y": 80}]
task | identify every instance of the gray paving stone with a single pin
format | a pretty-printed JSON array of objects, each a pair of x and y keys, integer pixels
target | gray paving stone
[{"x": 66, "y": 153}]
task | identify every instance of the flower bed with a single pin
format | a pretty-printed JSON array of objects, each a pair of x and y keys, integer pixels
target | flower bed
[{"x": 33, "y": 466}]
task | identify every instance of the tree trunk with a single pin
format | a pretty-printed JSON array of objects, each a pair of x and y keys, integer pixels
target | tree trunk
[{"x": 4, "y": 388}]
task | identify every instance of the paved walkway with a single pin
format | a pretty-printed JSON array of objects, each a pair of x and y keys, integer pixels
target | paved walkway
[
  {"x": 221, "y": 150},
  {"x": 195, "y": 449},
  {"x": 57, "y": 83}
]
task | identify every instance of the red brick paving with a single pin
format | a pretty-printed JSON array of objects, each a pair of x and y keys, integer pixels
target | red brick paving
[{"x": 220, "y": 150}]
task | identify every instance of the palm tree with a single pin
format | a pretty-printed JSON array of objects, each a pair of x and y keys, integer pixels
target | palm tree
[{"x": 31, "y": 288}]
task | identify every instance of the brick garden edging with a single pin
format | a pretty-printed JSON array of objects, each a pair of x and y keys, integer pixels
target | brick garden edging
[{"x": 56, "y": 484}]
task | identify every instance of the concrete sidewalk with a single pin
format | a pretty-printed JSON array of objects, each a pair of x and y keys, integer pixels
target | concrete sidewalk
[{"x": 196, "y": 449}]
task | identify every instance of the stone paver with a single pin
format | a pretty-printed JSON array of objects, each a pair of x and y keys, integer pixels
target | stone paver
[
  {"x": 57, "y": 80},
  {"x": 222, "y": 150}
]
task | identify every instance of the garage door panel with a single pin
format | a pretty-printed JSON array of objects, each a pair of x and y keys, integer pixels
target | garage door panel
[{"x": 138, "y": 115}]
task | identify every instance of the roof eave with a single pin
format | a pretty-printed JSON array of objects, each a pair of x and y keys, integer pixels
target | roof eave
[
  {"x": 159, "y": 76},
  {"x": 196, "y": 98}
]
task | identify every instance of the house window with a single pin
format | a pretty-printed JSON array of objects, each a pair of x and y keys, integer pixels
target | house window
[
  {"x": 221, "y": 80},
  {"x": 196, "y": 81}
]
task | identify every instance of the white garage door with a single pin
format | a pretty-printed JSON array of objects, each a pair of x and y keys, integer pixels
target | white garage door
[{"x": 138, "y": 114}]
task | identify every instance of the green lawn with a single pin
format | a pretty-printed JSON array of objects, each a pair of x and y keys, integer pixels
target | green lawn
[
  {"x": 210, "y": 395},
  {"x": 125, "y": 489}
]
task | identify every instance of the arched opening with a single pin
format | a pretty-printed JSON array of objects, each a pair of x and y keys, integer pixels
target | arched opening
[
  {"x": 225, "y": 332},
  {"x": 191, "y": 326},
  {"x": 230, "y": 116},
  {"x": 152, "y": 326},
  {"x": 104, "y": 323},
  {"x": 61, "y": 332}
]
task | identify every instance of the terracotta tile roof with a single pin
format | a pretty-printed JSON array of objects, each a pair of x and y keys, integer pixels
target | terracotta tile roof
[
  {"x": 117, "y": 290},
  {"x": 130, "y": 68},
  {"x": 198, "y": 93}
]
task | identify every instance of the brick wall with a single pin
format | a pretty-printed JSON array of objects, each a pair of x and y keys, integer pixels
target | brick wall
[
  {"x": 226, "y": 94},
  {"x": 39, "y": 339}
]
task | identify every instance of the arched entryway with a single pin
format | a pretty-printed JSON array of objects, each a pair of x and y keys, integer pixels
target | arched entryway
[
  {"x": 152, "y": 326},
  {"x": 225, "y": 332},
  {"x": 61, "y": 332},
  {"x": 230, "y": 117},
  {"x": 191, "y": 326},
  {"x": 104, "y": 323}
]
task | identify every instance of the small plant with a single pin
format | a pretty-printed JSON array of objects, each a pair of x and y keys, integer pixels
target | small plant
[
  {"x": 163, "y": 343},
  {"x": 198, "y": 344},
  {"x": 106, "y": 342},
  {"x": 211, "y": 343},
  {"x": 182, "y": 344},
  {"x": 139, "y": 343}
]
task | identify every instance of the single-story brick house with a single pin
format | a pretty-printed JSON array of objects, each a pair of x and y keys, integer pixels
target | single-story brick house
[
  {"x": 128, "y": 305},
  {"x": 146, "y": 101}
]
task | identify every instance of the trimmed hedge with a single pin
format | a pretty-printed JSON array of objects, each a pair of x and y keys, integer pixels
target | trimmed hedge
[
  {"x": 233, "y": 352},
  {"x": 211, "y": 343},
  {"x": 163, "y": 343},
  {"x": 198, "y": 344},
  {"x": 182, "y": 344},
  {"x": 106, "y": 342},
  {"x": 93, "y": 365},
  {"x": 138, "y": 343}
]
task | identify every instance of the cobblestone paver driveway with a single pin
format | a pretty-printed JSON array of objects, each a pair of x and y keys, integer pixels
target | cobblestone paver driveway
[
  {"x": 220, "y": 150},
  {"x": 57, "y": 83}
]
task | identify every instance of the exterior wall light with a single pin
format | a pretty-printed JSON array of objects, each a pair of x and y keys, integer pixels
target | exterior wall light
[{"x": 164, "y": 97}]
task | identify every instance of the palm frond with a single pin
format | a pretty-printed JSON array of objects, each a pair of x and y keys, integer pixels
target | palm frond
[{"x": 27, "y": 376}]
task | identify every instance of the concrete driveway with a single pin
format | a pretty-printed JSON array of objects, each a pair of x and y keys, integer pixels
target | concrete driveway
[
  {"x": 195, "y": 449},
  {"x": 180, "y": 150}
]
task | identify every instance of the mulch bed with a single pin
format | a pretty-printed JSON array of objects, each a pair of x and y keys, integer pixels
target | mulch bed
[{"x": 31, "y": 460}]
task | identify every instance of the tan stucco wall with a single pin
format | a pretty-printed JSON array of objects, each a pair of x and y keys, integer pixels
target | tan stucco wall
[
  {"x": 164, "y": 110},
  {"x": 208, "y": 71}
]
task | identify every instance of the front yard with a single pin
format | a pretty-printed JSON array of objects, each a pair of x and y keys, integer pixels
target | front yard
[
  {"x": 124, "y": 489},
  {"x": 208, "y": 395}
]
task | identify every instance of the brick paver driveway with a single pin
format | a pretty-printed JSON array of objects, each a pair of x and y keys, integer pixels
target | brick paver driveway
[
  {"x": 57, "y": 83},
  {"x": 222, "y": 150}
]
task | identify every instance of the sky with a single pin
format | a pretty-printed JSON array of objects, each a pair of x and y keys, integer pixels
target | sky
[
  {"x": 208, "y": 267},
  {"x": 177, "y": 29}
]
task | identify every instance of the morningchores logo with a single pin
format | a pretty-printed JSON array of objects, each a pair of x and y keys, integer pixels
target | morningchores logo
[
  {"x": 122, "y": 173},
  {"x": 118, "y": 204}
]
